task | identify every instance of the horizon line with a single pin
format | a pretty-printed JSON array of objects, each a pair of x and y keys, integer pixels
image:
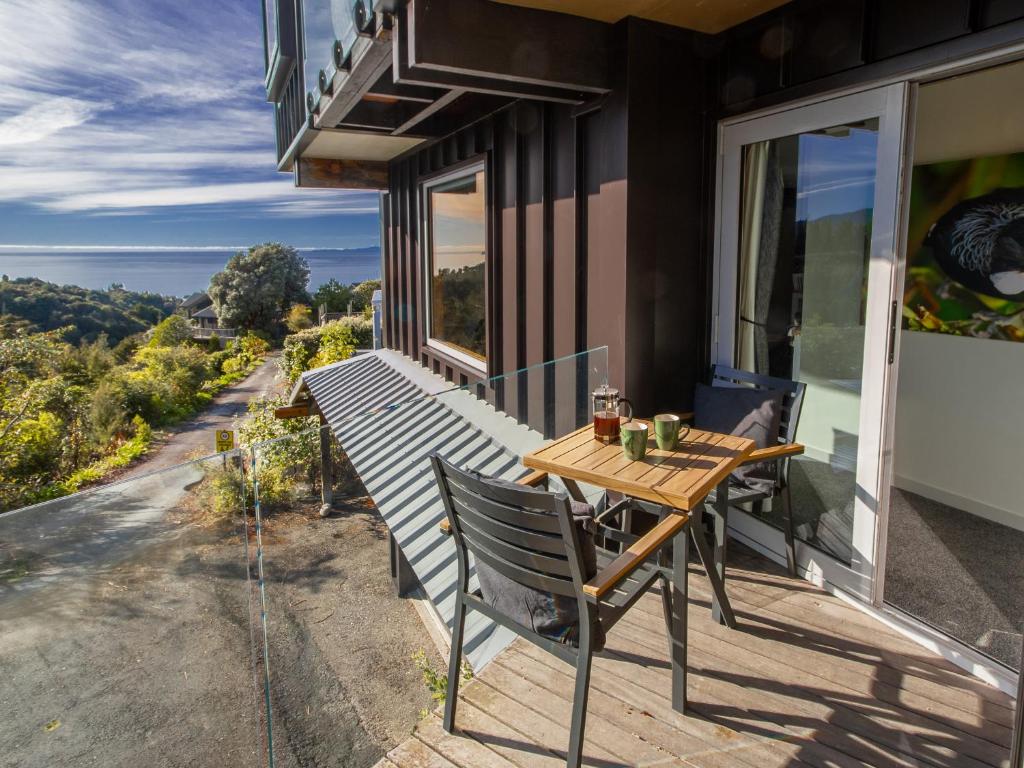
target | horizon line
[{"x": 16, "y": 247}]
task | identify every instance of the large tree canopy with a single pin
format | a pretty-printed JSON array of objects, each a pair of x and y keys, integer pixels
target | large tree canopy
[{"x": 255, "y": 289}]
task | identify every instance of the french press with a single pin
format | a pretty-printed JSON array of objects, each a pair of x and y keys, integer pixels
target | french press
[{"x": 606, "y": 405}]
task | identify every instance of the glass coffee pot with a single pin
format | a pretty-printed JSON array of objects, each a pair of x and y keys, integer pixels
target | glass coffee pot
[{"x": 606, "y": 404}]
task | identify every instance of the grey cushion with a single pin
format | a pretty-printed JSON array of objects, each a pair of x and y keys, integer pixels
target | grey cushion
[
  {"x": 554, "y": 616},
  {"x": 751, "y": 413}
]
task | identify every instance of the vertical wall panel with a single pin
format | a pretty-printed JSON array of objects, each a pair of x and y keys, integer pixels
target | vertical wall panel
[
  {"x": 534, "y": 291},
  {"x": 560, "y": 305},
  {"x": 508, "y": 210}
]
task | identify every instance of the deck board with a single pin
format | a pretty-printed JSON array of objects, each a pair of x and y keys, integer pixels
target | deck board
[{"x": 806, "y": 680}]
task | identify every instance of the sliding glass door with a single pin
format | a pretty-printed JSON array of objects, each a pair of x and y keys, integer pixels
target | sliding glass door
[{"x": 806, "y": 235}]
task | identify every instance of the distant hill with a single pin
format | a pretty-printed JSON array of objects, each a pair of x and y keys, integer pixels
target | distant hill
[{"x": 116, "y": 312}]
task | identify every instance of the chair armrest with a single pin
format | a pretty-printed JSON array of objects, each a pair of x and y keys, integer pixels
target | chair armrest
[
  {"x": 774, "y": 452},
  {"x": 688, "y": 416},
  {"x": 535, "y": 478},
  {"x": 622, "y": 566}
]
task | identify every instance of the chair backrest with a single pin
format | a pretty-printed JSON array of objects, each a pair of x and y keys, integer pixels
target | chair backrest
[
  {"x": 792, "y": 394},
  {"x": 523, "y": 533}
]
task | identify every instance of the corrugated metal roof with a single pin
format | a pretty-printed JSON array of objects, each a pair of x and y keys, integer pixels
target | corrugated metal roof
[{"x": 389, "y": 449}]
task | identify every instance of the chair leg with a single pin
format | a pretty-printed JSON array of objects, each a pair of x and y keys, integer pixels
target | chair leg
[
  {"x": 721, "y": 542},
  {"x": 454, "y": 664},
  {"x": 574, "y": 756},
  {"x": 787, "y": 514},
  {"x": 666, "y": 609}
]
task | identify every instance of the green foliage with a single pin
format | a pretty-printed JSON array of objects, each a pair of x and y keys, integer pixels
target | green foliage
[
  {"x": 363, "y": 294},
  {"x": 171, "y": 332},
  {"x": 256, "y": 288},
  {"x": 317, "y": 346},
  {"x": 337, "y": 343},
  {"x": 299, "y": 318},
  {"x": 289, "y": 451},
  {"x": 362, "y": 330},
  {"x": 87, "y": 313},
  {"x": 213, "y": 344},
  {"x": 71, "y": 414},
  {"x": 333, "y": 296},
  {"x": 435, "y": 681}
]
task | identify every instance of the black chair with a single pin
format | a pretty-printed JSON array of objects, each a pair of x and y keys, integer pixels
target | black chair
[
  {"x": 792, "y": 402},
  {"x": 529, "y": 536}
]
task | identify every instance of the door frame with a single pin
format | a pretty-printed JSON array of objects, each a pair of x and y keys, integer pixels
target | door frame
[{"x": 889, "y": 105}]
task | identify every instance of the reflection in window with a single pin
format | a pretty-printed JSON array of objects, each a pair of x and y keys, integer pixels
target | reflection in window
[
  {"x": 805, "y": 239},
  {"x": 270, "y": 29},
  {"x": 457, "y": 279}
]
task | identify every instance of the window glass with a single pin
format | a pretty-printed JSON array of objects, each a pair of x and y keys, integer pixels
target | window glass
[
  {"x": 457, "y": 251},
  {"x": 270, "y": 28}
]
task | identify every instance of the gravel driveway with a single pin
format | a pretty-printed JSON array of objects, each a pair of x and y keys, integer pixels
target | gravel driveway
[{"x": 129, "y": 636}]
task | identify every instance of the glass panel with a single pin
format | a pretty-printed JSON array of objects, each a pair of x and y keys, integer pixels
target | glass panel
[
  {"x": 333, "y": 581},
  {"x": 324, "y": 22},
  {"x": 805, "y": 240},
  {"x": 125, "y": 625},
  {"x": 270, "y": 29},
  {"x": 956, "y": 522},
  {"x": 457, "y": 264}
]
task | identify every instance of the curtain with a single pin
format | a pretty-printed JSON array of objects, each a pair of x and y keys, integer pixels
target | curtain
[{"x": 760, "y": 225}]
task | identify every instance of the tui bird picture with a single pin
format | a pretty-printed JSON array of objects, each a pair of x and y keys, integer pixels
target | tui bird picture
[
  {"x": 965, "y": 248},
  {"x": 980, "y": 243}
]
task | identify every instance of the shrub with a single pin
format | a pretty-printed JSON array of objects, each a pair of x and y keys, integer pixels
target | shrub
[
  {"x": 362, "y": 330},
  {"x": 299, "y": 318},
  {"x": 316, "y": 347},
  {"x": 336, "y": 343},
  {"x": 171, "y": 332}
]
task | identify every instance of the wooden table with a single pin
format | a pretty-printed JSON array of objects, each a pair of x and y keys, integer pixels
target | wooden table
[{"x": 678, "y": 482}]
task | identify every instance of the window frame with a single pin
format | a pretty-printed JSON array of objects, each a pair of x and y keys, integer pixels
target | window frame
[{"x": 463, "y": 170}]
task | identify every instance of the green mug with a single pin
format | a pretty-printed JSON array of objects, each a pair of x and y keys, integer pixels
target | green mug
[
  {"x": 633, "y": 435},
  {"x": 666, "y": 431}
]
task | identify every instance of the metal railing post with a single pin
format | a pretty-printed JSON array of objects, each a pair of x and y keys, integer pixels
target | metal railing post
[{"x": 1017, "y": 748}]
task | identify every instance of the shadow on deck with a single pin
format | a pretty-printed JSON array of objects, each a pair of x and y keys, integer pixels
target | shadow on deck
[{"x": 805, "y": 680}]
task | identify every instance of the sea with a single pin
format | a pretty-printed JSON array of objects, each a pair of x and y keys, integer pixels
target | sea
[{"x": 171, "y": 272}]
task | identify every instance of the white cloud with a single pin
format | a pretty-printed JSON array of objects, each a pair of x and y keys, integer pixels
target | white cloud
[
  {"x": 51, "y": 116},
  {"x": 116, "y": 106}
]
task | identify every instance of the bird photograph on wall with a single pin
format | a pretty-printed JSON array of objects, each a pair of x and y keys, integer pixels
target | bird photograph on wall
[{"x": 965, "y": 240}]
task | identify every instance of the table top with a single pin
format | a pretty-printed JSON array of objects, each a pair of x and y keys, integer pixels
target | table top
[{"x": 682, "y": 478}]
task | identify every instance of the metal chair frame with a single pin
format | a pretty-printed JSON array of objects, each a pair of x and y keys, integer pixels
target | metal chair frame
[
  {"x": 529, "y": 536},
  {"x": 792, "y": 403}
]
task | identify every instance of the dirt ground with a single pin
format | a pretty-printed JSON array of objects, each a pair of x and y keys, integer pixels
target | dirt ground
[{"x": 131, "y": 636}]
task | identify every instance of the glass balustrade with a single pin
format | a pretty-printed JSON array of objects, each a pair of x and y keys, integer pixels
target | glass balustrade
[
  {"x": 344, "y": 649},
  {"x": 325, "y": 23}
]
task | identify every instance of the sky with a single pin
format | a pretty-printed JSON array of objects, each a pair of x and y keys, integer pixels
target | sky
[{"x": 145, "y": 122}]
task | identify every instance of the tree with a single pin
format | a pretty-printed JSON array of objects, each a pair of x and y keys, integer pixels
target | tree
[
  {"x": 299, "y": 318},
  {"x": 255, "y": 289},
  {"x": 172, "y": 331},
  {"x": 364, "y": 293},
  {"x": 333, "y": 295}
]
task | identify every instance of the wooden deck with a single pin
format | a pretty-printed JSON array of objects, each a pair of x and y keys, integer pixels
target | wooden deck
[{"x": 805, "y": 680}]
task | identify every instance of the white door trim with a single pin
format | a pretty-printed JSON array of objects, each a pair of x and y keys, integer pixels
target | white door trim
[{"x": 888, "y": 104}]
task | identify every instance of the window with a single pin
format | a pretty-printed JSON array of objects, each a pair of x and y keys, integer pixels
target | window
[
  {"x": 269, "y": 33},
  {"x": 456, "y": 266}
]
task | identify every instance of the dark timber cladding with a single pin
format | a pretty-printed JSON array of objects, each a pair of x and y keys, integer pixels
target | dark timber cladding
[{"x": 594, "y": 230}]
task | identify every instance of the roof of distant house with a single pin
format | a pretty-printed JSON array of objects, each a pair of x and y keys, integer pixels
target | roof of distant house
[
  {"x": 209, "y": 312},
  {"x": 196, "y": 300}
]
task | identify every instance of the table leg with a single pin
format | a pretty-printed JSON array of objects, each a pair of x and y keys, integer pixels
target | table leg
[
  {"x": 721, "y": 539},
  {"x": 680, "y": 603},
  {"x": 720, "y": 599},
  {"x": 574, "y": 490}
]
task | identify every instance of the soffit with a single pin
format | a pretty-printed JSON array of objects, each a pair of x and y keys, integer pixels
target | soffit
[
  {"x": 709, "y": 16},
  {"x": 346, "y": 145}
]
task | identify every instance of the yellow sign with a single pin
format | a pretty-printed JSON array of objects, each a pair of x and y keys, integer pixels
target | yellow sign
[{"x": 225, "y": 440}]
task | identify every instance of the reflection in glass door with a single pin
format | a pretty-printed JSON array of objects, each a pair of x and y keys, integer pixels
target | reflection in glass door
[{"x": 799, "y": 298}]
